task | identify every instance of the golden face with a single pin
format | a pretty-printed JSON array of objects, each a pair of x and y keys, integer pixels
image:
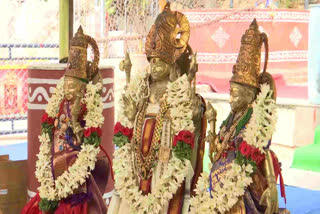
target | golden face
[
  {"x": 240, "y": 97},
  {"x": 72, "y": 88},
  {"x": 159, "y": 69}
]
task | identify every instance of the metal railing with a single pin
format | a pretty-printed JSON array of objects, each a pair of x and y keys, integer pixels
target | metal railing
[{"x": 11, "y": 46}]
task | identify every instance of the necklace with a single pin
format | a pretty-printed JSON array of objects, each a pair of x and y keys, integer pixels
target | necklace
[
  {"x": 144, "y": 164},
  {"x": 227, "y": 134}
]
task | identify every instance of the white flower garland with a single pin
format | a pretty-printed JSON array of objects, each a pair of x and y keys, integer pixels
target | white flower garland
[
  {"x": 93, "y": 101},
  {"x": 236, "y": 180},
  {"x": 263, "y": 120},
  {"x": 134, "y": 90},
  {"x": 76, "y": 175},
  {"x": 127, "y": 187},
  {"x": 125, "y": 180},
  {"x": 179, "y": 96},
  {"x": 223, "y": 198}
]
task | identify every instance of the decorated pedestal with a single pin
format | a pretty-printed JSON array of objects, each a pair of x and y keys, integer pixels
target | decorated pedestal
[{"x": 42, "y": 80}]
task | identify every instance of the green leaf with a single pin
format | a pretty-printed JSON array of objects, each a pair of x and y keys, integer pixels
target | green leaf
[
  {"x": 47, "y": 205},
  {"x": 120, "y": 140},
  {"x": 92, "y": 140},
  {"x": 241, "y": 160},
  {"x": 182, "y": 150},
  {"x": 47, "y": 128}
]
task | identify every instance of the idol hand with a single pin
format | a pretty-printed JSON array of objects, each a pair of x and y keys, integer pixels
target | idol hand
[
  {"x": 130, "y": 107},
  {"x": 125, "y": 65},
  {"x": 270, "y": 199},
  {"x": 270, "y": 195}
]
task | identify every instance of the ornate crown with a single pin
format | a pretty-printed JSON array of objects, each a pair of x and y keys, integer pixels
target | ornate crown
[
  {"x": 79, "y": 39},
  {"x": 162, "y": 41},
  {"x": 247, "y": 68},
  {"x": 77, "y": 60}
]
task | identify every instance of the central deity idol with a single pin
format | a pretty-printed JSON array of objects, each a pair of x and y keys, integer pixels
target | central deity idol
[{"x": 161, "y": 127}]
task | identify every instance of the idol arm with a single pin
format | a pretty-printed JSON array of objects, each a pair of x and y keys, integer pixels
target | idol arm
[
  {"x": 270, "y": 196},
  {"x": 211, "y": 115}
]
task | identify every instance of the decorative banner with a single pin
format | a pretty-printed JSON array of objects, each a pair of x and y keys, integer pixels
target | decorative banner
[{"x": 217, "y": 42}]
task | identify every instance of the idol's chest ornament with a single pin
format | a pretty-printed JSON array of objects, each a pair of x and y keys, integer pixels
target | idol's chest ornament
[
  {"x": 226, "y": 134},
  {"x": 145, "y": 163}
]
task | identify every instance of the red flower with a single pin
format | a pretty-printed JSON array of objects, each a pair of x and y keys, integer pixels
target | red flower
[
  {"x": 87, "y": 132},
  {"x": 50, "y": 120},
  {"x": 130, "y": 133},
  {"x": 185, "y": 136},
  {"x": 123, "y": 130},
  {"x": 117, "y": 128},
  {"x": 84, "y": 108},
  {"x": 245, "y": 149},
  {"x": 44, "y": 117},
  {"x": 256, "y": 156},
  {"x": 99, "y": 131},
  {"x": 175, "y": 141},
  {"x": 126, "y": 132},
  {"x": 93, "y": 129}
]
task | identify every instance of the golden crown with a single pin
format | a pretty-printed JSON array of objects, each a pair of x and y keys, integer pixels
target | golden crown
[
  {"x": 162, "y": 40},
  {"x": 247, "y": 68},
  {"x": 77, "y": 60}
]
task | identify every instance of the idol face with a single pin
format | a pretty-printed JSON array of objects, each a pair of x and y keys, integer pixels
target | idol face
[
  {"x": 160, "y": 70},
  {"x": 240, "y": 97},
  {"x": 72, "y": 88}
]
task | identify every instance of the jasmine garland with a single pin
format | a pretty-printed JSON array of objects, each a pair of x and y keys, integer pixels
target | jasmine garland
[
  {"x": 64, "y": 185},
  {"x": 236, "y": 180}
]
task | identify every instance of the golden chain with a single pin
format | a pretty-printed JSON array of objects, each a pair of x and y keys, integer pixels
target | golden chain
[{"x": 143, "y": 165}]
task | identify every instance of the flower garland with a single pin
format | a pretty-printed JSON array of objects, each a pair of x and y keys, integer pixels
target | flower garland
[
  {"x": 179, "y": 96},
  {"x": 127, "y": 187},
  {"x": 135, "y": 90},
  {"x": 249, "y": 154},
  {"x": 179, "y": 166},
  {"x": 122, "y": 135},
  {"x": 64, "y": 185},
  {"x": 264, "y": 118},
  {"x": 223, "y": 198}
]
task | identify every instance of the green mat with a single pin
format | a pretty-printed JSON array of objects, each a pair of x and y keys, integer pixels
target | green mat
[{"x": 308, "y": 157}]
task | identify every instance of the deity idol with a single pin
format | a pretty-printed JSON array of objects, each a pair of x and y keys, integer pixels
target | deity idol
[
  {"x": 161, "y": 129},
  {"x": 244, "y": 169},
  {"x": 70, "y": 138}
]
